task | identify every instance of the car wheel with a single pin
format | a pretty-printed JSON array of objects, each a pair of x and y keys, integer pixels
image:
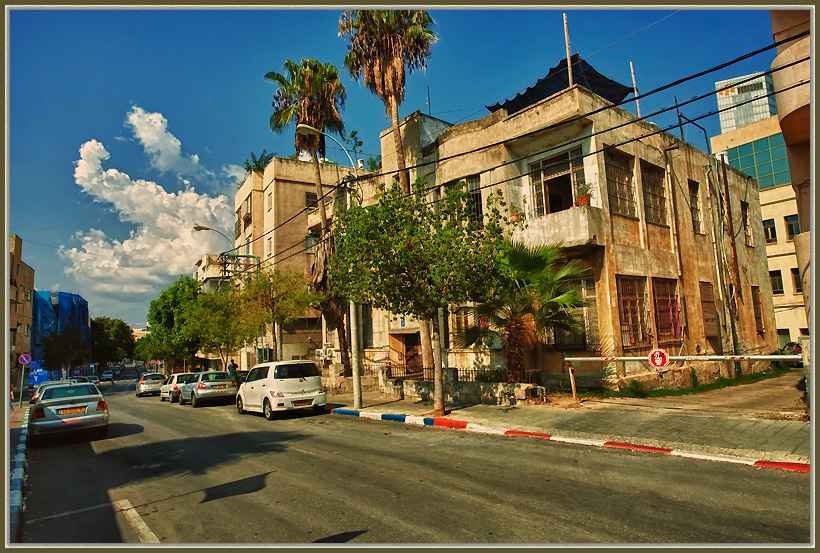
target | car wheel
[
  {"x": 195, "y": 401},
  {"x": 171, "y": 398},
  {"x": 240, "y": 407},
  {"x": 318, "y": 409},
  {"x": 161, "y": 397},
  {"x": 181, "y": 399},
  {"x": 267, "y": 410}
]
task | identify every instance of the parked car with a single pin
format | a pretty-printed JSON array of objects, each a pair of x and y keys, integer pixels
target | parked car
[
  {"x": 150, "y": 383},
  {"x": 80, "y": 378},
  {"x": 793, "y": 348},
  {"x": 240, "y": 375},
  {"x": 47, "y": 384},
  {"x": 282, "y": 386},
  {"x": 94, "y": 380},
  {"x": 107, "y": 375},
  {"x": 68, "y": 408},
  {"x": 170, "y": 389},
  {"x": 207, "y": 385}
]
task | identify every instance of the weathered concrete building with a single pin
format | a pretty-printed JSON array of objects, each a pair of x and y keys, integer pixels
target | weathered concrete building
[
  {"x": 670, "y": 265},
  {"x": 21, "y": 290}
]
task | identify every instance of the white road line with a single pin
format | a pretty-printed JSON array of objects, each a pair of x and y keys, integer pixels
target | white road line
[
  {"x": 70, "y": 513},
  {"x": 145, "y": 534}
]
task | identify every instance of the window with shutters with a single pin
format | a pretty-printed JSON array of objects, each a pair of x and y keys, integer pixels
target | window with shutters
[
  {"x": 694, "y": 205},
  {"x": 769, "y": 231},
  {"x": 635, "y": 331},
  {"x": 667, "y": 310},
  {"x": 747, "y": 224},
  {"x": 620, "y": 188},
  {"x": 758, "y": 309},
  {"x": 654, "y": 196},
  {"x": 707, "y": 307}
]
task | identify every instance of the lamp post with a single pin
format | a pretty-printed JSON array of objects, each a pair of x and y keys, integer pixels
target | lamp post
[
  {"x": 202, "y": 227},
  {"x": 354, "y": 326}
]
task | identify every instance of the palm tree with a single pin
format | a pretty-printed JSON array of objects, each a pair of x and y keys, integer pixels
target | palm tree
[
  {"x": 535, "y": 294},
  {"x": 310, "y": 94},
  {"x": 382, "y": 44}
]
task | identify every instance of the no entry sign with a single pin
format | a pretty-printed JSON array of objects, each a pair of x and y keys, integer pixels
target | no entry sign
[
  {"x": 25, "y": 359},
  {"x": 658, "y": 358}
]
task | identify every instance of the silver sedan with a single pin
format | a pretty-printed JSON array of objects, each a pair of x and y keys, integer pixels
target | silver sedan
[
  {"x": 207, "y": 385},
  {"x": 67, "y": 408}
]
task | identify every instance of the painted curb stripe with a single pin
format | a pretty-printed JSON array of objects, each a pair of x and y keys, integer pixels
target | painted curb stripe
[
  {"x": 475, "y": 427},
  {"x": 800, "y": 467},
  {"x": 135, "y": 520},
  {"x": 624, "y": 445}
]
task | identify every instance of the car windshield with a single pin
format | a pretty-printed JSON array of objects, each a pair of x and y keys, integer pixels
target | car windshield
[
  {"x": 70, "y": 391},
  {"x": 297, "y": 370},
  {"x": 210, "y": 377}
]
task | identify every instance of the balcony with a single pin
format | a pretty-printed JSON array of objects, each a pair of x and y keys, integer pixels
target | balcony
[{"x": 577, "y": 226}]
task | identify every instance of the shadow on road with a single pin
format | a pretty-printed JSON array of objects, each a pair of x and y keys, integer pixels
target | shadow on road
[{"x": 344, "y": 537}]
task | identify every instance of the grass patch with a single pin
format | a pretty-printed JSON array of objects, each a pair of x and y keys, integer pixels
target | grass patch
[{"x": 637, "y": 389}]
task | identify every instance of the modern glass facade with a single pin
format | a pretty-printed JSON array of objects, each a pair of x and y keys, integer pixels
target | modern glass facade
[
  {"x": 764, "y": 159},
  {"x": 745, "y": 100}
]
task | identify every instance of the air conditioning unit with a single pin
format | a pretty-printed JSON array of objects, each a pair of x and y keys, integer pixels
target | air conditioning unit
[{"x": 320, "y": 353}]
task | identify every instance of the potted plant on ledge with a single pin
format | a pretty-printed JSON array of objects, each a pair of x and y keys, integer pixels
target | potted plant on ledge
[{"x": 584, "y": 194}]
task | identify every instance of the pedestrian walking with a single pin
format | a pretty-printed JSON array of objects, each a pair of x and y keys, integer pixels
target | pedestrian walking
[{"x": 232, "y": 366}]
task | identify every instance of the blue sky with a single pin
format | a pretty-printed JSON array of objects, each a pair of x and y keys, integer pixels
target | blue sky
[{"x": 127, "y": 127}]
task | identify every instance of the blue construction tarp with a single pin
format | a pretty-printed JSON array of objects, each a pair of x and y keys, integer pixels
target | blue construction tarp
[{"x": 47, "y": 317}]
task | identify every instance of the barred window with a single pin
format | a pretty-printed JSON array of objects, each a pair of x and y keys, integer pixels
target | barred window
[
  {"x": 694, "y": 205},
  {"x": 633, "y": 315},
  {"x": 654, "y": 198},
  {"x": 667, "y": 310},
  {"x": 474, "y": 188},
  {"x": 551, "y": 180},
  {"x": 589, "y": 336},
  {"x": 620, "y": 188},
  {"x": 311, "y": 199}
]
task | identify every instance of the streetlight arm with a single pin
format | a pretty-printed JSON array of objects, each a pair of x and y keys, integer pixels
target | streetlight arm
[{"x": 202, "y": 227}]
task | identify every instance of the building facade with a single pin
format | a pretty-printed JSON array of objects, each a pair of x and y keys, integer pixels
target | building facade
[
  {"x": 759, "y": 150},
  {"x": 21, "y": 301},
  {"x": 665, "y": 270},
  {"x": 745, "y": 100}
]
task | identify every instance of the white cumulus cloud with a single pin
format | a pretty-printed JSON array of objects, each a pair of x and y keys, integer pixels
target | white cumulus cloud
[{"x": 115, "y": 274}]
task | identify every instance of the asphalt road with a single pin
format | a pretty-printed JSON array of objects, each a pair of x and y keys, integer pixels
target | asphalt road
[{"x": 209, "y": 475}]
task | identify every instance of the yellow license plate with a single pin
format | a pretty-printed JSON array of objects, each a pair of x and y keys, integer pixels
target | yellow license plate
[
  {"x": 301, "y": 402},
  {"x": 220, "y": 386},
  {"x": 71, "y": 410}
]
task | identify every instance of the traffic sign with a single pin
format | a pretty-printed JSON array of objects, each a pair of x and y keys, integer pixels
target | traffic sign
[
  {"x": 25, "y": 359},
  {"x": 658, "y": 358}
]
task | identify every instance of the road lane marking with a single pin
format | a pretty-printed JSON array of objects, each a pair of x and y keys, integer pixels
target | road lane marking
[
  {"x": 135, "y": 520},
  {"x": 69, "y": 513}
]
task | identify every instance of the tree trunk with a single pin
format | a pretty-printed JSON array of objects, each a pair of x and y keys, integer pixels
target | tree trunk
[
  {"x": 438, "y": 373},
  {"x": 426, "y": 344},
  {"x": 344, "y": 343},
  {"x": 317, "y": 174},
  {"x": 404, "y": 178}
]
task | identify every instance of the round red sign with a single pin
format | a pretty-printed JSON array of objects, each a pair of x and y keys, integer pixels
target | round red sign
[{"x": 658, "y": 358}]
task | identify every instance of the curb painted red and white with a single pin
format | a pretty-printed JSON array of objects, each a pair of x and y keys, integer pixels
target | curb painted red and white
[{"x": 474, "y": 427}]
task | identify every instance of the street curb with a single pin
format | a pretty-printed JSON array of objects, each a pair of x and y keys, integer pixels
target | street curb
[
  {"x": 18, "y": 479},
  {"x": 473, "y": 427}
]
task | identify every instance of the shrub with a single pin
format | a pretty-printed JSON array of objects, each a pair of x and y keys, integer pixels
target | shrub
[
  {"x": 694, "y": 375},
  {"x": 636, "y": 389}
]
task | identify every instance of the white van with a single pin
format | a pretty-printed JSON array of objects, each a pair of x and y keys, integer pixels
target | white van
[{"x": 282, "y": 386}]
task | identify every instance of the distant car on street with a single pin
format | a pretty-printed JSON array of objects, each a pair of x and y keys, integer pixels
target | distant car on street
[
  {"x": 150, "y": 383},
  {"x": 107, "y": 375},
  {"x": 207, "y": 385},
  {"x": 94, "y": 380},
  {"x": 170, "y": 389},
  {"x": 69, "y": 408},
  {"x": 282, "y": 386},
  {"x": 793, "y": 348}
]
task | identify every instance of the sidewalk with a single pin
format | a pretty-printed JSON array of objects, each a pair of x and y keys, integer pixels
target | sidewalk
[{"x": 740, "y": 422}]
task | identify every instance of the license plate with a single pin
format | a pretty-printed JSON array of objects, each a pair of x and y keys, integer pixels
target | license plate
[
  {"x": 154, "y": 384},
  {"x": 301, "y": 402},
  {"x": 220, "y": 386},
  {"x": 71, "y": 410}
]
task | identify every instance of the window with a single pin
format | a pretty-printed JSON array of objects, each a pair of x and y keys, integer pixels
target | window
[
  {"x": 633, "y": 314},
  {"x": 792, "y": 226},
  {"x": 654, "y": 199},
  {"x": 588, "y": 314},
  {"x": 270, "y": 246},
  {"x": 461, "y": 321},
  {"x": 553, "y": 181},
  {"x": 747, "y": 224},
  {"x": 758, "y": 309},
  {"x": 667, "y": 309},
  {"x": 777, "y": 282},
  {"x": 474, "y": 188},
  {"x": 707, "y": 307},
  {"x": 311, "y": 241},
  {"x": 798, "y": 282},
  {"x": 311, "y": 199},
  {"x": 694, "y": 205},
  {"x": 784, "y": 336},
  {"x": 620, "y": 188},
  {"x": 769, "y": 231},
  {"x": 270, "y": 200}
]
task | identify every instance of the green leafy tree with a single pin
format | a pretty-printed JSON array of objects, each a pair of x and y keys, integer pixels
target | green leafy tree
[
  {"x": 536, "y": 291},
  {"x": 148, "y": 348},
  {"x": 167, "y": 315},
  {"x": 258, "y": 163},
  {"x": 111, "y": 340},
  {"x": 217, "y": 321},
  {"x": 410, "y": 256},
  {"x": 64, "y": 349},
  {"x": 277, "y": 297},
  {"x": 312, "y": 93},
  {"x": 383, "y": 46}
]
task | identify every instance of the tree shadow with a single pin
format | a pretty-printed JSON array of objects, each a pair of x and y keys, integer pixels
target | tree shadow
[{"x": 344, "y": 537}]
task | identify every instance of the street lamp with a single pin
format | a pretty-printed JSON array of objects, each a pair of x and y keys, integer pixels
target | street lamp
[
  {"x": 202, "y": 227},
  {"x": 303, "y": 129}
]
